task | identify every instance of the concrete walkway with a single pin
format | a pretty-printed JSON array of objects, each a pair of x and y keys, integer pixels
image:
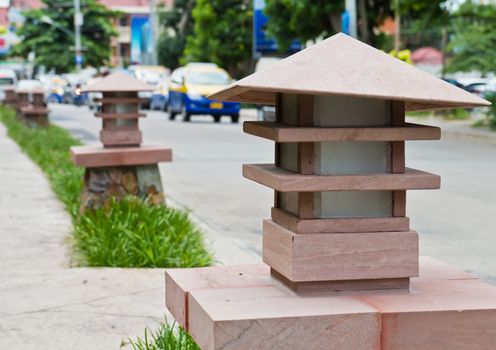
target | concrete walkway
[{"x": 44, "y": 304}]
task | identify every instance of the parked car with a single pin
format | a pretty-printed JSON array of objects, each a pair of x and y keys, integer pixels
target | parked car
[
  {"x": 455, "y": 83},
  {"x": 265, "y": 112},
  {"x": 54, "y": 86},
  {"x": 29, "y": 85},
  {"x": 189, "y": 87},
  {"x": 160, "y": 97},
  {"x": 477, "y": 88},
  {"x": 151, "y": 75},
  {"x": 8, "y": 77}
]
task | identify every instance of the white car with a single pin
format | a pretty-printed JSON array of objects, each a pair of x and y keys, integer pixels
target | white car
[{"x": 7, "y": 78}]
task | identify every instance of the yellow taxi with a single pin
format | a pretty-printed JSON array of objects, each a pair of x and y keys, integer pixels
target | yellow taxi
[{"x": 189, "y": 87}]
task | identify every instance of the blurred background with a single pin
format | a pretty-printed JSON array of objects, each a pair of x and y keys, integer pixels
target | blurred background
[
  {"x": 67, "y": 44},
  {"x": 188, "y": 49}
]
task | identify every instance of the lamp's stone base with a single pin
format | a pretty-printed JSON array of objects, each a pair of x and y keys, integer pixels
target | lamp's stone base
[
  {"x": 114, "y": 172},
  {"x": 102, "y": 184},
  {"x": 241, "y": 307}
]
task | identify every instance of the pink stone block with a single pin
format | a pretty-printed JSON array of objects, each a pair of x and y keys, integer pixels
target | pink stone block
[
  {"x": 339, "y": 256},
  {"x": 446, "y": 309},
  {"x": 92, "y": 157},
  {"x": 179, "y": 282},
  {"x": 442, "y": 314},
  {"x": 267, "y": 318}
]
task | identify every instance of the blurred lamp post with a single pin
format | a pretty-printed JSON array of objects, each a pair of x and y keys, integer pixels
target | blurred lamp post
[
  {"x": 154, "y": 31},
  {"x": 352, "y": 17},
  {"x": 78, "y": 22}
]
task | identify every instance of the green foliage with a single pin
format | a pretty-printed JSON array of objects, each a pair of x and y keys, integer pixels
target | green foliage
[
  {"x": 491, "y": 113},
  {"x": 423, "y": 14},
  {"x": 311, "y": 19},
  {"x": 222, "y": 34},
  {"x": 474, "y": 44},
  {"x": 167, "y": 337},
  {"x": 52, "y": 45},
  {"x": 456, "y": 114},
  {"x": 130, "y": 232},
  {"x": 49, "y": 148},
  {"x": 176, "y": 24}
]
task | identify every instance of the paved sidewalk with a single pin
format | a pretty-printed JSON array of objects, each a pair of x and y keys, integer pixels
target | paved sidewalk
[{"x": 44, "y": 304}]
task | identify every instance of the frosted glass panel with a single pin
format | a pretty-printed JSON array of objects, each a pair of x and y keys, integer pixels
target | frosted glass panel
[
  {"x": 341, "y": 111},
  {"x": 288, "y": 156},
  {"x": 289, "y": 201},
  {"x": 352, "y": 157},
  {"x": 350, "y": 204},
  {"x": 126, "y": 108},
  {"x": 289, "y": 113}
]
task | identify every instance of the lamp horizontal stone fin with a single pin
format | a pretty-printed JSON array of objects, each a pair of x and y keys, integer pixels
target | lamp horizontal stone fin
[
  {"x": 341, "y": 65},
  {"x": 287, "y": 181},
  {"x": 285, "y": 133},
  {"x": 119, "y": 82}
]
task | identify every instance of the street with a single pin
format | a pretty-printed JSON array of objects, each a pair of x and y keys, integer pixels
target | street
[{"x": 456, "y": 224}]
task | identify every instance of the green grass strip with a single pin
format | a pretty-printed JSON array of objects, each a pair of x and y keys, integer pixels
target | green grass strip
[
  {"x": 127, "y": 233},
  {"x": 132, "y": 233}
]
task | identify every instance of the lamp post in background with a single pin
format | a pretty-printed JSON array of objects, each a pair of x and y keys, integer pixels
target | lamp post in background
[
  {"x": 154, "y": 31},
  {"x": 78, "y": 22},
  {"x": 397, "y": 27},
  {"x": 350, "y": 18}
]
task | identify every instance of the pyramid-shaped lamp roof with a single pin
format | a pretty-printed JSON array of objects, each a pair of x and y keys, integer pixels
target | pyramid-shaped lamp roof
[
  {"x": 119, "y": 82},
  {"x": 341, "y": 65}
]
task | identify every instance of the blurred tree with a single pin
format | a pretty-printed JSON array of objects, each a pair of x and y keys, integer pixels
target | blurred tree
[
  {"x": 312, "y": 19},
  {"x": 474, "y": 41},
  {"x": 51, "y": 42},
  {"x": 425, "y": 23},
  {"x": 176, "y": 24},
  {"x": 491, "y": 111},
  {"x": 222, "y": 34}
]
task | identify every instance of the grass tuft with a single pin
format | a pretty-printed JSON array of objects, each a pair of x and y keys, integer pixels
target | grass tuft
[
  {"x": 130, "y": 232},
  {"x": 166, "y": 337}
]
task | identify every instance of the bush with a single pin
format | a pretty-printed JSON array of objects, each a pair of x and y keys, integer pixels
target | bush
[
  {"x": 167, "y": 337},
  {"x": 131, "y": 232}
]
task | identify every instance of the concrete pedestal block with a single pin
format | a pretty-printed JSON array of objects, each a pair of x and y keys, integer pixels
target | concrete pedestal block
[{"x": 241, "y": 307}]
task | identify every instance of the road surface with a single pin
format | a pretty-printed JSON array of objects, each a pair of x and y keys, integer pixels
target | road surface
[{"x": 456, "y": 224}]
